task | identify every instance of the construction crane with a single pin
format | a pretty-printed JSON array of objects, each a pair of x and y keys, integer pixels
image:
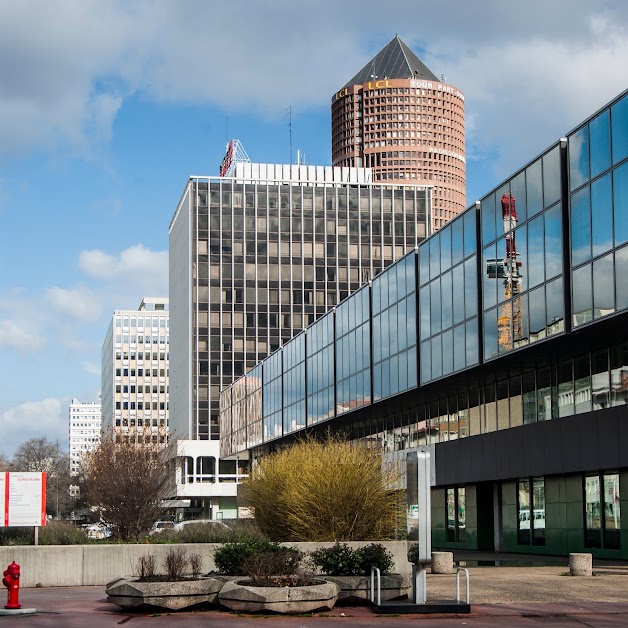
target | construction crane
[{"x": 510, "y": 320}]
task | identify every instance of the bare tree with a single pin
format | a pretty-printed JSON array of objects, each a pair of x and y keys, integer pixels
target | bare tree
[
  {"x": 40, "y": 455},
  {"x": 127, "y": 483},
  {"x": 5, "y": 463}
]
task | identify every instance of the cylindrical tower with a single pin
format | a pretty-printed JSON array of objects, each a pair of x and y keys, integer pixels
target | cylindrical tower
[{"x": 396, "y": 117}]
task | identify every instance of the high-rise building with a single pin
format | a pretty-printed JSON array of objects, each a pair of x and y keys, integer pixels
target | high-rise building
[
  {"x": 135, "y": 373},
  {"x": 398, "y": 118},
  {"x": 84, "y": 420},
  {"x": 257, "y": 257}
]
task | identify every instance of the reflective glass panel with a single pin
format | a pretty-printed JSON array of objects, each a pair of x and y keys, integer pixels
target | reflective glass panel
[
  {"x": 523, "y": 502},
  {"x": 555, "y": 307},
  {"x": 600, "y": 397},
  {"x": 553, "y": 242},
  {"x": 582, "y": 295},
  {"x": 521, "y": 245},
  {"x": 592, "y": 514},
  {"x": 600, "y": 139},
  {"x": 536, "y": 299},
  {"x": 619, "y": 375},
  {"x": 488, "y": 219},
  {"x": 434, "y": 256},
  {"x": 470, "y": 237},
  {"x": 424, "y": 300},
  {"x": 538, "y": 511},
  {"x": 619, "y": 126},
  {"x": 492, "y": 268},
  {"x": 448, "y": 352},
  {"x": 621, "y": 273},
  {"x": 536, "y": 263},
  {"x": 551, "y": 177},
  {"x": 565, "y": 389},
  {"x": 471, "y": 337},
  {"x": 424, "y": 263},
  {"x": 518, "y": 190},
  {"x": 579, "y": 158},
  {"x": 426, "y": 362},
  {"x": 620, "y": 202},
  {"x": 490, "y": 334},
  {"x": 582, "y": 384},
  {"x": 470, "y": 288},
  {"x": 601, "y": 215},
  {"x": 456, "y": 241},
  {"x": 412, "y": 367},
  {"x": 446, "y": 300},
  {"x": 437, "y": 358},
  {"x": 458, "y": 291},
  {"x": 435, "y": 307},
  {"x": 445, "y": 249},
  {"x": 534, "y": 188},
  {"x": 604, "y": 286},
  {"x": 580, "y": 227},
  {"x": 459, "y": 348},
  {"x": 612, "y": 515}
]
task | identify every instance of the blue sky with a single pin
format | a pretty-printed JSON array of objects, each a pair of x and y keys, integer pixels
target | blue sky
[{"x": 107, "y": 108}]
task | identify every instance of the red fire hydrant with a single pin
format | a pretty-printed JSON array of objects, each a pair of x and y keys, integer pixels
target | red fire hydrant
[{"x": 11, "y": 581}]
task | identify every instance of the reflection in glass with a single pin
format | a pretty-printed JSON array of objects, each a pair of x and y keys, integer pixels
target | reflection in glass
[
  {"x": 578, "y": 158},
  {"x": 544, "y": 394},
  {"x": 412, "y": 367},
  {"x": 446, "y": 300},
  {"x": 490, "y": 334},
  {"x": 448, "y": 352},
  {"x": 553, "y": 242},
  {"x": 424, "y": 305},
  {"x": 619, "y": 125},
  {"x": 424, "y": 262},
  {"x": 437, "y": 358},
  {"x": 457, "y": 252},
  {"x": 521, "y": 319},
  {"x": 434, "y": 256},
  {"x": 490, "y": 409},
  {"x": 534, "y": 188},
  {"x": 521, "y": 242},
  {"x": 459, "y": 348},
  {"x": 538, "y": 511},
  {"x": 612, "y": 515},
  {"x": 536, "y": 263},
  {"x": 426, "y": 362},
  {"x": 551, "y": 177},
  {"x": 599, "y": 133},
  {"x": 518, "y": 190},
  {"x": 565, "y": 389},
  {"x": 529, "y": 398},
  {"x": 445, "y": 249},
  {"x": 604, "y": 286},
  {"x": 488, "y": 219},
  {"x": 491, "y": 272},
  {"x": 523, "y": 502},
  {"x": 582, "y": 384},
  {"x": 620, "y": 202},
  {"x": 458, "y": 294},
  {"x": 503, "y": 419},
  {"x": 619, "y": 375},
  {"x": 593, "y": 523},
  {"x": 470, "y": 288},
  {"x": 600, "y": 387},
  {"x": 621, "y": 272},
  {"x": 555, "y": 307},
  {"x": 471, "y": 337},
  {"x": 516, "y": 408},
  {"x": 536, "y": 300},
  {"x": 601, "y": 215},
  {"x": 582, "y": 295},
  {"x": 435, "y": 307},
  {"x": 470, "y": 236},
  {"x": 580, "y": 227}
]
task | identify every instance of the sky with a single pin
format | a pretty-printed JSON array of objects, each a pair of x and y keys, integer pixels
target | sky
[{"x": 106, "y": 109}]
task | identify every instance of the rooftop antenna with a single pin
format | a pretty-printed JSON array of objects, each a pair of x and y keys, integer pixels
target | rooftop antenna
[{"x": 289, "y": 114}]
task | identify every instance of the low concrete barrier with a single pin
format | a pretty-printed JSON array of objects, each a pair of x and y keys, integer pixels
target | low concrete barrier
[
  {"x": 581, "y": 564},
  {"x": 80, "y": 565},
  {"x": 442, "y": 562}
]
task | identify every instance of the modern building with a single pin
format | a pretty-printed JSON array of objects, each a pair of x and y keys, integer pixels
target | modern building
[
  {"x": 398, "y": 118},
  {"x": 135, "y": 373},
  {"x": 500, "y": 345},
  {"x": 84, "y": 421},
  {"x": 255, "y": 258}
]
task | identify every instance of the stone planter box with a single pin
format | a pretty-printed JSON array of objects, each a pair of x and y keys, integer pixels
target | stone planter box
[
  {"x": 245, "y": 598},
  {"x": 357, "y": 589},
  {"x": 127, "y": 592}
]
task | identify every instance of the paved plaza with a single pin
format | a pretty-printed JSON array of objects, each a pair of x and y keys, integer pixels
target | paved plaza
[{"x": 503, "y": 595}]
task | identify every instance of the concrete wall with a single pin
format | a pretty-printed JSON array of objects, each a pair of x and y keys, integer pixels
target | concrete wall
[{"x": 79, "y": 565}]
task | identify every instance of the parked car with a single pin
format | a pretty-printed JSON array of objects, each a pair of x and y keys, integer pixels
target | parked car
[
  {"x": 98, "y": 531},
  {"x": 160, "y": 526},
  {"x": 211, "y": 522}
]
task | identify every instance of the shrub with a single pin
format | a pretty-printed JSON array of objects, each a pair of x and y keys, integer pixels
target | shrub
[
  {"x": 342, "y": 560},
  {"x": 339, "y": 493},
  {"x": 62, "y": 533},
  {"x": 176, "y": 563},
  {"x": 16, "y": 536},
  {"x": 196, "y": 564},
  {"x": 231, "y": 559},
  {"x": 273, "y": 568},
  {"x": 145, "y": 567}
]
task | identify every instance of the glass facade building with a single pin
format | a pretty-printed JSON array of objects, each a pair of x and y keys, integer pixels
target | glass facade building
[{"x": 501, "y": 344}]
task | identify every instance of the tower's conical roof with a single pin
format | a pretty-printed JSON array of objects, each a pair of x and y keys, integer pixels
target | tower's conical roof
[{"x": 395, "y": 60}]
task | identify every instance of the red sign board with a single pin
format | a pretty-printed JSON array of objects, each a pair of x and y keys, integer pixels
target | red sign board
[{"x": 22, "y": 499}]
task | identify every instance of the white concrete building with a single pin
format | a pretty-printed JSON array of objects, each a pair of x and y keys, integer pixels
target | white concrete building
[
  {"x": 84, "y": 420},
  {"x": 135, "y": 373}
]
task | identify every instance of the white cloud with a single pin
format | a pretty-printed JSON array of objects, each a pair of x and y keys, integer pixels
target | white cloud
[
  {"x": 137, "y": 270},
  {"x": 33, "y": 419},
  {"x": 91, "y": 368},
  {"x": 14, "y": 336},
  {"x": 79, "y": 302}
]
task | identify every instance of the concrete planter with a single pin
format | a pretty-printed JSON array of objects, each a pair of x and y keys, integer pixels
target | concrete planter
[
  {"x": 357, "y": 589},
  {"x": 128, "y": 592},
  {"x": 245, "y": 598}
]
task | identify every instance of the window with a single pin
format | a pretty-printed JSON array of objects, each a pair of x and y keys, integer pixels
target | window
[
  {"x": 531, "y": 508},
  {"x": 602, "y": 511},
  {"x": 456, "y": 515}
]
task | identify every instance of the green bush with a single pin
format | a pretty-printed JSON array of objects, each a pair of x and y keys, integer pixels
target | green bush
[
  {"x": 342, "y": 560},
  {"x": 16, "y": 536},
  {"x": 231, "y": 559},
  {"x": 413, "y": 553},
  {"x": 53, "y": 533}
]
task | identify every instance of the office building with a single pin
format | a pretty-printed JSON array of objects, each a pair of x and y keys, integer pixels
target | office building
[
  {"x": 258, "y": 256},
  {"x": 135, "y": 373},
  {"x": 500, "y": 345},
  {"x": 84, "y": 421},
  {"x": 398, "y": 118}
]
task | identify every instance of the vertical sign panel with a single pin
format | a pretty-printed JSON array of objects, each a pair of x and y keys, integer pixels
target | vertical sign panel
[
  {"x": 26, "y": 502},
  {"x": 3, "y": 499}
]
